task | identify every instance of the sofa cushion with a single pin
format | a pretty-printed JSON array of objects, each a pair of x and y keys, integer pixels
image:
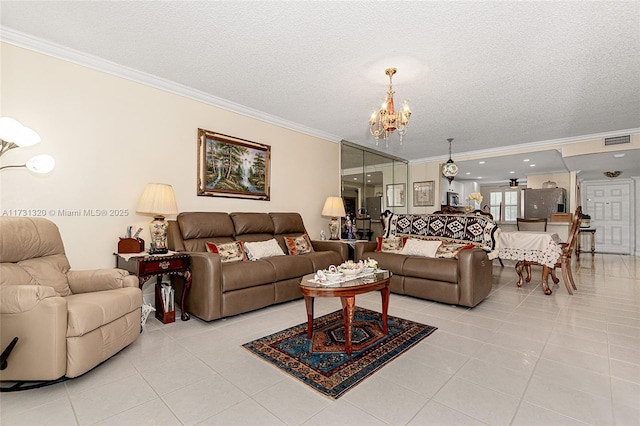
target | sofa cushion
[
  {"x": 416, "y": 247},
  {"x": 229, "y": 252},
  {"x": 263, "y": 249},
  {"x": 89, "y": 311},
  {"x": 28, "y": 238},
  {"x": 452, "y": 250},
  {"x": 252, "y": 223},
  {"x": 323, "y": 259},
  {"x": 287, "y": 223},
  {"x": 49, "y": 271},
  {"x": 288, "y": 267},
  {"x": 239, "y": 275},
  {"x": 298, "y": 245},
  {"x": 205, "y": 225},
  {"x": 431, "y": 269},
  {"x": 389, "y": 245}
]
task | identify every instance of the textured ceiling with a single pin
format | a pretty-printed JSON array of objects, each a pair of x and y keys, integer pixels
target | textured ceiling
[{"x": 489, "y": 74}]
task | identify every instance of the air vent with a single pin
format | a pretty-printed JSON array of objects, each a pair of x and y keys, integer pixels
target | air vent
[{"x": 617, "y": 140}]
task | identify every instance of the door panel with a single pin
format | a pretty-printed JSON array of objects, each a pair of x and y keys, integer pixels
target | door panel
[{"x": 609, "y": 205}]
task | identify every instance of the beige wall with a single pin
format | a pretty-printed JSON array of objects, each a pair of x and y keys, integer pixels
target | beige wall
[{"x": 110, "y": 136}]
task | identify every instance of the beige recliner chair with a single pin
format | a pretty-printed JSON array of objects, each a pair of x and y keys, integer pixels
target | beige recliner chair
[{"x": 66, "y": 322}]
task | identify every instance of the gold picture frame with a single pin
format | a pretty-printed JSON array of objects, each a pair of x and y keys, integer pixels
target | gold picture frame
[
  {"x": 423, "y": 193},
  {"x": 233, "y": 167}
]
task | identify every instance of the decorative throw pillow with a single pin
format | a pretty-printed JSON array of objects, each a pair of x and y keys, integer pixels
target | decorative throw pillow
[
  {"x": 261, "y": 249},
  {"x": 416, "y": 247},
  {"x": 229, "y": 252},
  {"x": 451, "y": 250},
  {"x": 389, "y": 245},
  {"x": 298, "y": 245}
]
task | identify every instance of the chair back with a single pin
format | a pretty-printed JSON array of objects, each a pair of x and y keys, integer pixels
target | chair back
[
  {"x": 573, "y": 233},
  {"x": 531, "y": 224}
]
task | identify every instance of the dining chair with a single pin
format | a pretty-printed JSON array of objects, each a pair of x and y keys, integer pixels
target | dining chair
[
  {"x": 567, "y": 248},
  {"x": 525, "y": 224}
]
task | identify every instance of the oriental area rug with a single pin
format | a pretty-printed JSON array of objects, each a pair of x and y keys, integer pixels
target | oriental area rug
[{"x": 322, "y": 363}]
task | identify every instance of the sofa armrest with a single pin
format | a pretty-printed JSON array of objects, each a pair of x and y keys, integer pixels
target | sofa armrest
[
  {"x": 475, "y": 276},
  {"x": 328, "y": 245},
  {"x": 205, "y": 297},
  {"x": 15, "y": 299},
  {"x": 363, "y": 247},
  {"x": 38, "y": 318},
  {"x": 100, "y": 279}
]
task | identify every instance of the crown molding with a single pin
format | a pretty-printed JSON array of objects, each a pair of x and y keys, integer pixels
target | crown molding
[
  {"x": 533, "y": 146},
  {"x": 45, "y": 47}
]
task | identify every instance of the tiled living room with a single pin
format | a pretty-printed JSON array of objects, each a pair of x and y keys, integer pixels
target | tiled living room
[
  {"x": 127, "y": 94},
  {"x": 519, "y": 358}
]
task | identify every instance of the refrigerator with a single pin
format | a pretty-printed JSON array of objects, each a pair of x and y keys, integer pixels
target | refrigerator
[{"x": 540, "y": 203}]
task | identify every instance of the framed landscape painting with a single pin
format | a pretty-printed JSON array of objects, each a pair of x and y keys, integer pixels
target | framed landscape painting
[
  {"x": 423, "y": 193},
  {"x": 232, "y": 167}
]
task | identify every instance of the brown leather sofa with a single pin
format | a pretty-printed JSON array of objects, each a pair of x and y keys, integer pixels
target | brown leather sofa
[
  {"x": 465, "y": 280},
  {"x": 66, "y": 321},
  {"x": 223, "y": 289}
]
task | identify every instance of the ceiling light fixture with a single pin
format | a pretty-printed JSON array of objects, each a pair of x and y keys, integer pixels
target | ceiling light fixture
[
  {"x": 613, "y": 174},
  {"x": 386, "y": 120},
  {"x": 513, "y": 183},
  {"x": 450, "y": 169}
]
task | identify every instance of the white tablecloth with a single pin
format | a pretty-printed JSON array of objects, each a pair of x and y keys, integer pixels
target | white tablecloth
[{"x": 539, "y": 247}]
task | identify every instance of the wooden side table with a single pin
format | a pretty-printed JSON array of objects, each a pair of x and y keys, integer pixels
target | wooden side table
[
  {"x": 146, "y": 266},
  {"x": 590, "y": 231}
]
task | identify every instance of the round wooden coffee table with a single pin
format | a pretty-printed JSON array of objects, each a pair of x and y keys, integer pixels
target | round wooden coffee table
[{"x": 347, "y": 292}]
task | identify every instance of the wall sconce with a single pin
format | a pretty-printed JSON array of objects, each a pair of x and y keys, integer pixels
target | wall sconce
[{"x": 14, "y": 135}]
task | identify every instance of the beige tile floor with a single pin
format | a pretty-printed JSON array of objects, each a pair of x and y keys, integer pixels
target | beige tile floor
[{"x": 519, "y": 358}]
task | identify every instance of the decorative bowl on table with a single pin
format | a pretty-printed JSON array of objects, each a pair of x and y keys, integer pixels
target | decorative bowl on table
[
  {"x": 350, "y": 272},
  {"x": 333, "y": 276},
  {"x": 368, "y": 270}
]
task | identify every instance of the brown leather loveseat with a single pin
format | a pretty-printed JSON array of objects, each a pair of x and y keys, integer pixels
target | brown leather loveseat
[
  {"x": 464, "y": 279},
  {"x": 221, "y": 289}
]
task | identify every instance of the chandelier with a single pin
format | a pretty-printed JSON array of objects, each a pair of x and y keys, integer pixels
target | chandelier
[
  {"x": 387, "y": 120},
  {"x": 450, "y": 169}
]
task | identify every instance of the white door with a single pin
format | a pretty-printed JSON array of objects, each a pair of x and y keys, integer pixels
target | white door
[{"x": 609, "y": 204}]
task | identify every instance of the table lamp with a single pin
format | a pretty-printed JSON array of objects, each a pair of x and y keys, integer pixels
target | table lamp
[
  {"x": 334, "y": 208},
  {"x": 159, "y": 201}
]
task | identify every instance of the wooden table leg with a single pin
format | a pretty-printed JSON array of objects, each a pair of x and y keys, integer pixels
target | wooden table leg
[
  {"x": 185, "y": 292},
  {"x": 519, "y": 267},
  {"x": 385, "y": 308},
  {"x": 348, "y": 310},
  {"x": 545, "y": 279},
  {"x": 308, "y": 302}
]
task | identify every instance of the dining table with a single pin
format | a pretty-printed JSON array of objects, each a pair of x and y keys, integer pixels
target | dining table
[{"x": 530, "y": 247}]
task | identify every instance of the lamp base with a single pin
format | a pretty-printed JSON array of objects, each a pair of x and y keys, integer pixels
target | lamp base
[
  {"x": 334, "y": 229},
  {"x": 158, "y": 230}
]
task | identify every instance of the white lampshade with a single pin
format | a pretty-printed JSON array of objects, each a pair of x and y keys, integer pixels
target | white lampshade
[
  {"x": 333, "y": 207},
  {"x": 42, "y": 163},
  {"x": 13, "y": 131},
  {"x": 158, "y": 199}
]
